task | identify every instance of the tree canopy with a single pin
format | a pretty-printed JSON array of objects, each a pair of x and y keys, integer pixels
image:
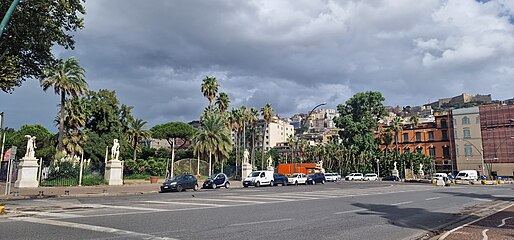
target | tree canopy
[
  {"x": 172, "y": 130},
  {"x": 33, "y": 30}
]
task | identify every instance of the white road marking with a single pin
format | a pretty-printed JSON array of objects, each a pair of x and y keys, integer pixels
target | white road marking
[
  {"x": 124, "y": 207},
  {"x": 263, "y": 198},
  {"x": 186, "y": 203},
  {"x": 252, "y": 223},
  {"x": 401, "y": 203},
  {"x": 469, "y": 223},
  {"x": 125, "y": 233},
  {"x": 227, "y": 200},
  {"x": 434, "y": 198},
  {"x": 350, "y": 211},
  {"x": 503, "y": 222},
  {"x": 52, "y": 214},
  {"x": 482, "y": 199},
  {"x": 484, "y": 234}
]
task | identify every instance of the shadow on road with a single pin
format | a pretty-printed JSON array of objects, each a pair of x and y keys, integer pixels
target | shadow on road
[{"x": 504, "y": 196}]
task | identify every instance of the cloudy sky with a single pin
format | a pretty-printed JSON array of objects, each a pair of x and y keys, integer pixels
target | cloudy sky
[{"x": 293, "y": 54}]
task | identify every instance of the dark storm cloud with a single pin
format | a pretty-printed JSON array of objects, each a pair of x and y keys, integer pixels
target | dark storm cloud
[{"x": 292, "y": 54}]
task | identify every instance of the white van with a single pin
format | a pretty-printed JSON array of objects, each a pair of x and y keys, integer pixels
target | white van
[
  {"x": 471, "y": 175},
  {"x": 259, "y": 178}
]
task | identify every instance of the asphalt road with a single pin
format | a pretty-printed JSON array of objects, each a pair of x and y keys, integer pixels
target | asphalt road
[{"x": 345, "y": 210}]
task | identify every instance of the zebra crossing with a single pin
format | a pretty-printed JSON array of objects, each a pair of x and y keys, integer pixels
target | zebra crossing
[{"x": 210, "y": 201}]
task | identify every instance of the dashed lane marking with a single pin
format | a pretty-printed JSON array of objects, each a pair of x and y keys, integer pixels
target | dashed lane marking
[
  {"x": 401, "y": 203},
  {"x": 260, "y": 222},
  {"x": 350, "y": 211},
  {"x": 124, "y": 207},
  {"x": 434, "y": 198},
  {"x": 186, "y": 203},
  {"x": 227, "y": 200},
  {"x": 124, "y": 233}
]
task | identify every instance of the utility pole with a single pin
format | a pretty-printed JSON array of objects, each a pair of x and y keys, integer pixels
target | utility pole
[
  {"x": 7, "y": 16},
  {"x": 3, "y": 140}
]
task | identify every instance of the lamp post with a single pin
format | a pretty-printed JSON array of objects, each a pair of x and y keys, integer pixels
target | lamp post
[
  {"x": 481, "y": 151},
  {"x": 3, "y": 140},
  {"x": 310, "y": 113},
  {"x": 7, "y": 16}
]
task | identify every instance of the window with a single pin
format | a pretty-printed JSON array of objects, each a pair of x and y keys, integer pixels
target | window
[
  {"x": 477, "y": 120},
  {"x": 431, "y": 136},
  {"x": 418, "y": 136},
  {"x": 457, "y": 149},
  {"x": 465, "y": 120},
  {"x": 443, "y": 123},
  {"x": 454, "y": 122},
  {"x": 467, "y": 133},
  {"x": 455, "y": 135},
  {"x": 445, "y": 134},
  {"x": 446, "y": 152},
  {"x": 407, "y": 150},
  {"x": 468, "y": 151},
  {"x": 406, "y": 137},
  {"x": 432, "y": 152}
]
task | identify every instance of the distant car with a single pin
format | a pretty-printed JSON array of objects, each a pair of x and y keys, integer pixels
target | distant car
[
  {"x": 370, "y": 177},
  {"x": 391, "y": 178},
  {"x": 297, "y": 178},
  {"x": 314, "y": 178},
  {"x": 280, "y": 179},
  {"x": 180, "y": 183},
  {"x": 471, "y": 175},
  {"x": 354, "y": 177},
  {"x": 439, "y": 176},
  {"x": 332, "y": 177},
  {"x": 259, "y": 178},
  {"x": 216, "y": 180}
]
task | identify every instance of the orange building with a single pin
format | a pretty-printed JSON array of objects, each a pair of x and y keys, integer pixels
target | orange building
[{"x": 430, "y": 138}]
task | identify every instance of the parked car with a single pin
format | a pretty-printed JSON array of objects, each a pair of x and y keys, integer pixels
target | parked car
[
  {"x": 259, "y": 178},
  {"x": 314, "y": 178},
  {"x": 471, "y": 175},
  {"x": 332, "y": 177},
  {"x": 391, "y": 178},
  {"x": 439, "y": 176},
  {"x": 216, "y": 180},
  {"x": 180, "y": 183},
  {"x": 370, "y": 177},
  {"x": 297, "y": 178},
  {"x": 280, "y": 179},
  {"x": 354, "y": 177}
]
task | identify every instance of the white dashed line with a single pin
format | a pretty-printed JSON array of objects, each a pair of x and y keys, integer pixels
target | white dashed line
[
  {"x": 268, "y": 221},
  {"x": 434, "y": 198},
  {"x": 401, "y": 203}
]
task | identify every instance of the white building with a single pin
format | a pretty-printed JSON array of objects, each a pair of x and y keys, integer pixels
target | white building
[{"x": 277, "y": 131}]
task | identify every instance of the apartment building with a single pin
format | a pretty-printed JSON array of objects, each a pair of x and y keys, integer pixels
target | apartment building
[
  {"x": 467, "y": 139},
  {"x": 277, "y": 131}
]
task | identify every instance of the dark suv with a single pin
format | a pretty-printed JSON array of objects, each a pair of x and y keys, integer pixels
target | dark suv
[
  {"x": 180, "y": 183},
  {"x": 314, "y": 178},
  {"x": 280, "y": 179}
]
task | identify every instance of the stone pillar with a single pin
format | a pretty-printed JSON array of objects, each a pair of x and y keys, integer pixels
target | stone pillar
[
  {"x": 114, "y": 172},
  {"x": 27, "y": 173},
  {"x": 247, "y": 169}
]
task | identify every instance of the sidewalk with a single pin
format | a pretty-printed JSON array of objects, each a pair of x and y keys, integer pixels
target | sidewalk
[{"x": 131, "y": 187}]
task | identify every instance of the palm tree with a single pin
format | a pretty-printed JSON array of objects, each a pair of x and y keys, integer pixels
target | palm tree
[
  {"x": 67, "y": 78},
  {"x": 267, "y": 113},
  {"x": 210, "y": 89},
  {"x": 415, "y": 121},
  {"x": 252, "y": 121},
  {"x": 397, "y": 127},
  {"x": 137, "y": 132},
  {"x": 213, "y": 139},
  {"x": 76, "y": 115},
  {"x": 235, "y": 124},
  {"x": 73, "y": 143},
  {"x": 223, "y": 102},
  {"x": 386, "y": 136}
]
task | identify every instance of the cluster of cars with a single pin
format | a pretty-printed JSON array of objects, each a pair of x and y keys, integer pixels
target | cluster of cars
[{"x": 269, "y": 178}]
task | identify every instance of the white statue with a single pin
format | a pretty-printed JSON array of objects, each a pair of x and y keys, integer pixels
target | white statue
[
  {"x": 270, "y": 162},
  {"x": 115, "y": 150},
  {"x": 31, "y": 146},
  {"x": 421, "y": 167},
  {"x": 320, "y": 164},
  {"x": 395, "y": 166},
  {"x": 246, "y": 156}
]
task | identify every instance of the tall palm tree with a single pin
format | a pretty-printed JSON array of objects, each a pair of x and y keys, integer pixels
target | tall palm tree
[
  {"x": 210, "y": 89},
  {"x": 213, "y": 139},
  {"x": 67, "y": 78},
  {"x": 252, "y": 121},
  {"x": 137, "y": 132},
  {"x": 386, "y": 135},
  {"x": 397, "y": 128},
  {"x": 223, "y": 102},
  {"x": 267, "y": 114},
  {"x": 76, "y": 115}
]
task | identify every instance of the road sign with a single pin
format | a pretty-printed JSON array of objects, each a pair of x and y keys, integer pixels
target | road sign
[{"x": 12, "y": 153}]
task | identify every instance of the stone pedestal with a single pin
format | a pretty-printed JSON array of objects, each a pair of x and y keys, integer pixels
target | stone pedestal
[
  {"x": 395, "y": 172},
  {"x": 114, "y": 172},
  {"x": 421, "y": 174},
  {"x": 270, "y": 168},
  {"x": 247, "y": 169},
  {"x": 27, "y": 173}
]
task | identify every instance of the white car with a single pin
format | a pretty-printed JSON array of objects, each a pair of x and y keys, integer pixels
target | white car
[
  {"x": 297, "y": 178},
  {"x": 439, "y": 176},
  {"x": 259, "y": 178},
  {"x": 332, "y": 177},
  {"x": 370, "y": 177},
  {"x": 354, "y": 177}
]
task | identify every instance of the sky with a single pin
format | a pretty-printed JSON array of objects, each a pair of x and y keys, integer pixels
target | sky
[{"x": 293, "y": 54}]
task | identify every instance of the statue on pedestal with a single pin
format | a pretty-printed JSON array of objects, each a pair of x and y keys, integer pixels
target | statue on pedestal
[
  {"x": 421, "y": 172},
  {"x": 395, "y": 171},
  {"x": 270, "y": 162},
  {"x": 31, "y": 146},
  {"x": 395, "y": 166},
  {"x": 246, "y": 156},
  {"x": 115, "y": 150}
]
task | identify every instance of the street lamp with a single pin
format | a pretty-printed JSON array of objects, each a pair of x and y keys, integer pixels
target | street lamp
[
  {"x": 481, "y": 151},
  {"x": 8, "y": 15},
  {"x": 3, "y": 139},
  {"x": 310, "y": 113}
]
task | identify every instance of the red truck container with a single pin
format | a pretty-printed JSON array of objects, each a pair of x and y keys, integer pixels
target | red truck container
[{"x": 290, "y": 168}]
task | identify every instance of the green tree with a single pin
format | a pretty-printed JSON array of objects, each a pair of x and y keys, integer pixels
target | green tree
[
  {"x": 136, "y": 133},
  {"x": 44, "y": 141},
  {"x": 67, "y": 78},
  {"x": 253, "y": 119},
  {"x": 414, "y": 120},
  {"x": 171, "y": 131},
  {"x": 358, "y": 120},
  {"x": 267, "y": 114},
  {"x": 210, "y": 89},
  {"x": 397, "y": 127},
  {"x": 34, "y": 29},
  {"x": 76, "y": 115}
]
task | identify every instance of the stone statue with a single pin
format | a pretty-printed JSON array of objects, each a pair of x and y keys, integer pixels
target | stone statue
[
  {"x": 320, "y": 164},
  {"x": 246, "y": 156},
  {"x": 115, "y": 150},
  {"x": 31, "y": 146},
  {"x": 421, "y": 167},
  {"x": 270, "y": 162},
  {"x": 395, "y": 166}
]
